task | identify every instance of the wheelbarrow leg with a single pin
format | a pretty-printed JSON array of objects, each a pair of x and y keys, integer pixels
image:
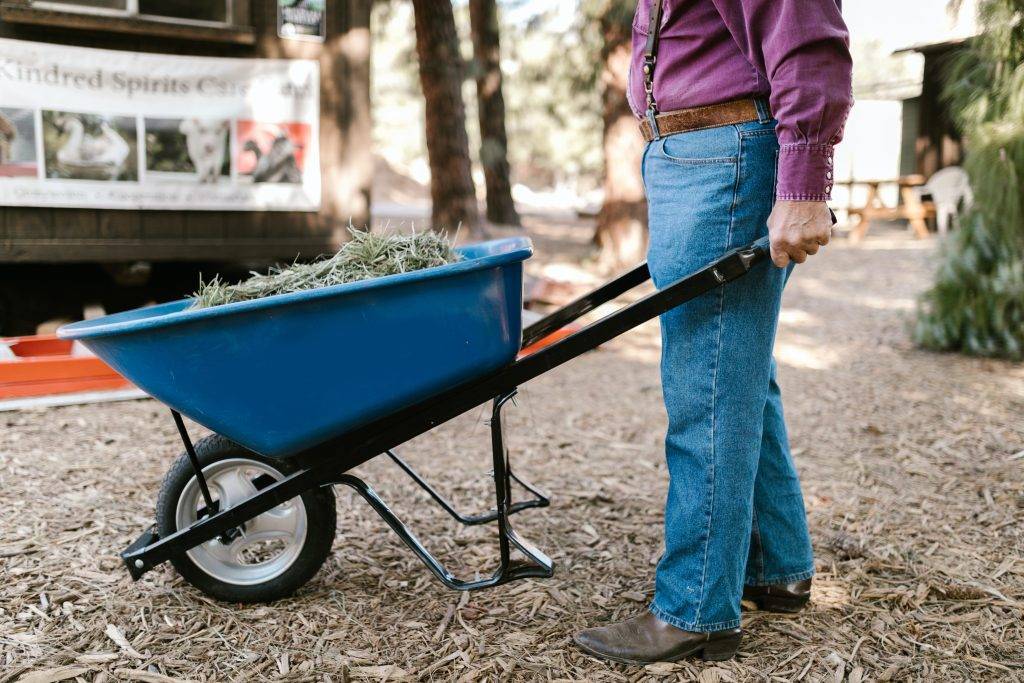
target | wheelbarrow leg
[
  {"x": 537, "y": 564},
  {"x": 502, "y": 477},
  {"x": 537, "y": 498}
]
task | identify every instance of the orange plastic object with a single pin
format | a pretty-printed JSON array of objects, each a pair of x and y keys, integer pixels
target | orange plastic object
[
  {"x": 557, "y": 335},
  {"x": 44, "y": 365}
]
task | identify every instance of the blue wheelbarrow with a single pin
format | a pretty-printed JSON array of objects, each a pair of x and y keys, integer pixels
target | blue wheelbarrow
[{"x": 300, "y": 388}]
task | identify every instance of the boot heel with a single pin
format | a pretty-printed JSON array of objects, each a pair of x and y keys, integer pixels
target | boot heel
[
  {"x": 722, "y": 649},
  {"x": 774, "y": 603}
]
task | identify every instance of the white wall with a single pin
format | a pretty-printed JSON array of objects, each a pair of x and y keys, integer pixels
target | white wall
[
  {"x": 901, "y": 23},
  {"x": 870, "y": 150}
]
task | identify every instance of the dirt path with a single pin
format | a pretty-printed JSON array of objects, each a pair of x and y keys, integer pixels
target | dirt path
[{"x": 913, "y": 468}]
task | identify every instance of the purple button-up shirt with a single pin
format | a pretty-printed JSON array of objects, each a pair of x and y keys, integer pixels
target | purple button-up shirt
[{"x": 794, "y": 52}]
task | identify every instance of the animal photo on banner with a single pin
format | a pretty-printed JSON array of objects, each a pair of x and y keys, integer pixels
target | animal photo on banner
[
  {"x": 187, "y": 149},
  {"x": 271, "y": 152},
  {"x": 81, "y": 146},
  {"x": 17, "y": 143}
]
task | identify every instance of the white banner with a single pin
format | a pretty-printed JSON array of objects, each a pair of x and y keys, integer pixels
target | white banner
[{"x": 124, "y": 130}]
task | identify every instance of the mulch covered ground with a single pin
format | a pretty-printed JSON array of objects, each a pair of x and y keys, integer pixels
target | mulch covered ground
[{"x": 913, "y": 469}]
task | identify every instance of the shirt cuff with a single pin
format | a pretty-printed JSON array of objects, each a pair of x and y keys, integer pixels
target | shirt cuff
[{"x": 805, "y": 173}]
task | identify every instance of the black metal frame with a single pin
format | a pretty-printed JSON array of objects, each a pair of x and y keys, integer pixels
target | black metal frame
[
  {"x": 326, "y": 464},
  {"x": 539, "y": 500}
]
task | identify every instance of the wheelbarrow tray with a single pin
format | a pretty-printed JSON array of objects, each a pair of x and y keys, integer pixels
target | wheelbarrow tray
[{"x": 282, "y": 373}]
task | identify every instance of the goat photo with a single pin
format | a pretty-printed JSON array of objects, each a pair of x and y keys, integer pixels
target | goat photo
[{"x": 187, "y": 149}]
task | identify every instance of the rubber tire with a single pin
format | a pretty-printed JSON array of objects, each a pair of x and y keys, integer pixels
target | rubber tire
[{"x": 321, "y": 522}]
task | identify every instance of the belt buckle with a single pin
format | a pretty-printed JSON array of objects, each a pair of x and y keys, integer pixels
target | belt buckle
[{"x": 652, "y": 121}]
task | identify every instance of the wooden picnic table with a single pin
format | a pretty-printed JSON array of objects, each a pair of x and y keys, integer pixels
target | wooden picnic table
[{"x": 913, "y": 209}]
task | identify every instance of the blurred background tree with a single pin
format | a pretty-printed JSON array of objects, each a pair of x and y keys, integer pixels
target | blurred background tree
[
  {"x": 551, "y": 66},
  {"x": 550, "y": 63},
  {"x": 977, "y": 303},
  {"x": 452, "y": 192},
  {"x": 483, "y": 18},
  {"x": 621, "y": 232}
]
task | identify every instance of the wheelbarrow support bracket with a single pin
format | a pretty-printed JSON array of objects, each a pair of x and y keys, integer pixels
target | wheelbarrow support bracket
[
  {"x": 537, "y": 499},
  {"x": 537, "y": 564}
]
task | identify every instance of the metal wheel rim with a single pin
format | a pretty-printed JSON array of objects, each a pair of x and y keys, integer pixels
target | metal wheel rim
[{"x": 230, "y": 482}]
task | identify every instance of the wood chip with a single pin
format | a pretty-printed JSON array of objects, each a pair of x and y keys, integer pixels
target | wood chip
[
  {"x": 114, "y": 633},
  {"x": 389, "y": 672},
  {"x": 148, "y": 676},
  {"x": 61, "y": 673}
]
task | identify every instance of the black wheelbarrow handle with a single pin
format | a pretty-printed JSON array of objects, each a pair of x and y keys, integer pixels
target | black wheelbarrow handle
[{"x": 754, "y": 253}]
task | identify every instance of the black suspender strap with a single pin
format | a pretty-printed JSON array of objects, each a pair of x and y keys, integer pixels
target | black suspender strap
[{"x": 650, "y": 59}]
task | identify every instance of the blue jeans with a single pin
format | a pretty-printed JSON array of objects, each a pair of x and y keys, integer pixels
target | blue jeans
[{"x": 735, "y": 511}]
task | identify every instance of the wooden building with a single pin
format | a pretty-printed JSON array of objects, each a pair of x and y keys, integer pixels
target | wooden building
[
  {"x": 931, "y": 140},
  {"x": 222, "y": 28}
]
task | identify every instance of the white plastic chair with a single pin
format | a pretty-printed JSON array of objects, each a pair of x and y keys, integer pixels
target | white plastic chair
[{"x": 949, "y": 187}]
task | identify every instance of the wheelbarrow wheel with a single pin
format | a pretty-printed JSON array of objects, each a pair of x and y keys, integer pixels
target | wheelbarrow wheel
[{"x": 267, "y": 558}]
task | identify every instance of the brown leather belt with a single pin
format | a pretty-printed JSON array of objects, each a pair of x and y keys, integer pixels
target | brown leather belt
[{"x": 699, "y": 118}]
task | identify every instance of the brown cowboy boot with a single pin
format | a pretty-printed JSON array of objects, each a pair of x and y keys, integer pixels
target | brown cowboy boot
[
  {"x": 780, "y": 597},
  {"x": 646, "y": 639}
]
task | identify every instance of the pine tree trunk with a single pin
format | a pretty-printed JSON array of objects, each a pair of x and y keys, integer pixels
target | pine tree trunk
[
  {"x": 483, "y": 16},
  {"x": 621, "y": 233},
  {"x": 440, "y": 65}
]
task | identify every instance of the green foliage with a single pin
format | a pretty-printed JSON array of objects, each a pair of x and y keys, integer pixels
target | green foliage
[
  {"x": 617, "y": 12},
  {"x": 977, "y": 303},
  {"x": 552, "y": 102}
]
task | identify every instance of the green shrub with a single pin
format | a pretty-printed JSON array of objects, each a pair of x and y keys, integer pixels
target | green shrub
[{"x": 976, "y": 305}]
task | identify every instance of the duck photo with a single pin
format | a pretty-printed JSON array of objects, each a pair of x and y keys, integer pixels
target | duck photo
[{"x": 90, "y": 146}]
